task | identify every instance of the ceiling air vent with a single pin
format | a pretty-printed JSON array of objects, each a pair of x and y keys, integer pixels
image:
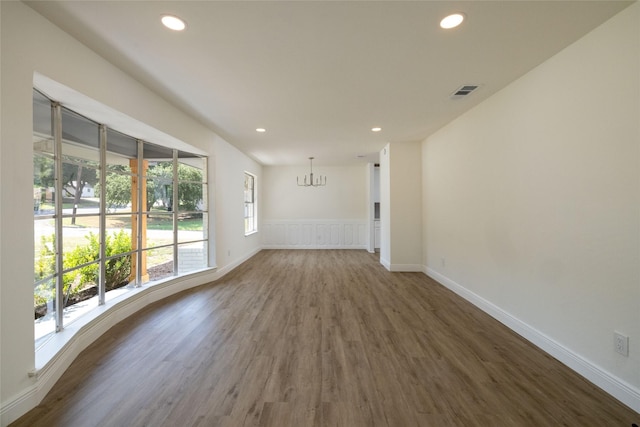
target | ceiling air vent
[{"x": 463, "y": 91}]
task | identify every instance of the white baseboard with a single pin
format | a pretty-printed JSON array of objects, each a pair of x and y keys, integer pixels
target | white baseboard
[
  {"x": 385, "y": 263},
  {"x": 401, "y": 268},
  {"x": 312, "y": 247},
  {"x": 616, "y": 387},
  {"x": 220, "y": 272},
  {"x": 56, "y": 355},
  {"x": 405, "y": 268}
]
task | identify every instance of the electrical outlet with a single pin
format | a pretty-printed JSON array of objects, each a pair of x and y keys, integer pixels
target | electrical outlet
[
  {"x": 621, "y": 343},
  {"x": 443, "y": 262}
]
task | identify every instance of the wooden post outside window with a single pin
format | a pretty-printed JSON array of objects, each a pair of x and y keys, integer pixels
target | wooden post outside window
[{"x": 138, "y": 180}]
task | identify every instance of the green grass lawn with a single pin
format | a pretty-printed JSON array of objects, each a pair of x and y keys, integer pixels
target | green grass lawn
[
  {"x": 154, "y": 222},
  {"x": 67, "y": 203}
]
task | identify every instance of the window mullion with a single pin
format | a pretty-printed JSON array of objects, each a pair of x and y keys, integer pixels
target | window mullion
[
  {"x": 174, "y": 210},
  {"x": 102, "y": 277},
  {"x": 141, "y": 209},
  {"x": 57, "y": 138}
]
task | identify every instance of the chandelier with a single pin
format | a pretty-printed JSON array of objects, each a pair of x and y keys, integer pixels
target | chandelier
[{"x": 318, "y": 182}]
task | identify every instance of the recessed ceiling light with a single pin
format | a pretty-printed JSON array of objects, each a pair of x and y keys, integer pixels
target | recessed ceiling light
[
  {"x": 452, "y": 20},
  {"x": 261, "y": 130},
  {"x": 173, "y": 23},
  {"x": 376, "y": 129}
]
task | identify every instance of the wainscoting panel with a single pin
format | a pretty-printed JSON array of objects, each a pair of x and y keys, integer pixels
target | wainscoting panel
[
  {"x": 308, "y": 232},
  {"x": 315, "y": 234},
  {"x": 322, "y": 234},
  {"x": 336, "y": 235},
  {"x": 348, "y": 234},
  {"x": 293, "y": 234}
]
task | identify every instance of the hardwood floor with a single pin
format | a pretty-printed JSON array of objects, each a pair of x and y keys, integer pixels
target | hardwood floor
[{"x": 319, "y": 338}]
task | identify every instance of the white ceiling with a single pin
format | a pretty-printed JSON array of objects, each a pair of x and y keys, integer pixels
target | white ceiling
[{"x": 319, "y": 75}]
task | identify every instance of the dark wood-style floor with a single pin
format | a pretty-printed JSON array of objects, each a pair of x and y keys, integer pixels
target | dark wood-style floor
[{"x": 319, "y": 338}]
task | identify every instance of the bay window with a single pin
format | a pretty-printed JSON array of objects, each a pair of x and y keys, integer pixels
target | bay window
[{"x": 111, "y": 213}]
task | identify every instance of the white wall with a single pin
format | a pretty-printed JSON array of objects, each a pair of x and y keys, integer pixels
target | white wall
[
  {"x": 385, "y": 207},
  {"x": 401, "y": 206},
  {"x": 232, "y": 246},
  {"x": 333, "y": 216},
  {"x": 344, "y": 196},
  {"x": 532, "y": 204},
  {"x": 30, "y": 44},
  {"x": 406, "y": 206}
]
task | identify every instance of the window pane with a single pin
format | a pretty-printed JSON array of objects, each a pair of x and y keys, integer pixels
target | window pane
[
  {"x": 194, "y": 167},
  {"x": 44, "y": 278},
  {"x": 189, "y": 172},
  {"x": 43, "y": 184},
  {"x": 163, "y": 169},
  {"x": 121, "y": 276},
  {"x": 80, "y": 290},
  {"x": 82, "y": 237},
  {"x": 249, "y": 204},
  {"x": 79, "y": 195},
  {"x": 159, "y": 194},
  {"x": 159, "y": 172},
  {"x": 44, "y": 233},
  {"x": 190, "y": 197},
  {"x": 42, "y": 124},
  {"x": 119, "y": 224},
  {"x": 43, "y": 144},
  {"x": 191, "y": 227},
  {"x": 117, "y": 242},
  {"x": 156, "y": 154},
  {"x": 192, "y": 256},
  {"x": 71, "y": 165},
  {"x": 248, "y": 188},
  {"x": 120, "y": 146},
  {"x": 249, "y": 181},
  {"x": 118, "y": 191},
  {"x": 159, "y": 262},
  {"x": 159, "y": 229},
  {"x": 44, "y": 309},
  {"x": 71, "y": 155},
  {"x": 43, "y": 162},
  {"x": 121, "y": 162},
  {"x": 79, "y": 133},
  {"x": 80, "y": 161},
  {"x": 118, "y": 272},
  {"x": 248, "y": 210}
]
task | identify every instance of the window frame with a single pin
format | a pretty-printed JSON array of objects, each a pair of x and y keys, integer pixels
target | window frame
[{"x": 250, "y": 212}]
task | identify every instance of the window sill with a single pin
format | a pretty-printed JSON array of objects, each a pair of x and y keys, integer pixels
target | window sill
[
  {"x": 95, "y": 322},
  {"x": 250, "y": 233}
]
